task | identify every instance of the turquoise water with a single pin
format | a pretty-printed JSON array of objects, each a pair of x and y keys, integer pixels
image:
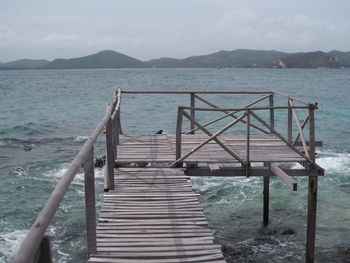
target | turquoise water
[{"x": 47, "y": 115}]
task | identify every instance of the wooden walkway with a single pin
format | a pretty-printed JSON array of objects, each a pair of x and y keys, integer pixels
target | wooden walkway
[
  {"x": 161, "y": 148},
  {"x": 153, "y": 216}
]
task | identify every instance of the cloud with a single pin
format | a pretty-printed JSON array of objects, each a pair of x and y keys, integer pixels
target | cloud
[{"x": 72, "y": 36}]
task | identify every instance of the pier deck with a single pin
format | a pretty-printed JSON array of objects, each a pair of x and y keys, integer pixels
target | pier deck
[
  {"x": 160, "y": 148},
  {"x": 153, "y": 216}
]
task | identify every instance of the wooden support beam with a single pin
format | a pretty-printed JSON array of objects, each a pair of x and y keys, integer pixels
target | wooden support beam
[
  {"x": 301, "y": 132},
  {"x": 253, "y": 171},
  {"x": 272, "y": 112},
  {"x": 302, "y": 127},
  {"x": 312, "y": 196},
  {"x": 317, "y": 143},
  {"x": 266, "y": 194},
  {"x": 213, "y": 166},
  {"x": 311, "y": 219},
  {"x": 110, "y": 159},
  {"x": 178, "y": 134},
  {"x": 44, "y": 252},
  {"x": 90, "y": 209},
  {"x": 290, "y": 124},
  {"x": 193, "y": 112},
  {"x": 284, "y": 177}
]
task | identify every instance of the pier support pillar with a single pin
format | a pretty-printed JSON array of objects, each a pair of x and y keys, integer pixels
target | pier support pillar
[
  {"x": 312, "y": 194},
  {"x": 266, "y": 194},
  {"x": 311, "y": 220},
  {"x": 266, "y": 199}
]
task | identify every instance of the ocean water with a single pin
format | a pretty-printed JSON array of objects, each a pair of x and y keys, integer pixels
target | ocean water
[{"x": 47, "y": 115}]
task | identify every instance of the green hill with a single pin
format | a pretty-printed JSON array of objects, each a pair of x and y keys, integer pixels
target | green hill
[
  {"x": 24, "y": 64},
  {"x": 236, "y": 58},
  {"x": 316, "y": 59},
  {"x": 103, "y": 59}
]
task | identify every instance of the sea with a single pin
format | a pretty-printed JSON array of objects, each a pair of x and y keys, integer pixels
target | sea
[{"x": 46, "y": 116}]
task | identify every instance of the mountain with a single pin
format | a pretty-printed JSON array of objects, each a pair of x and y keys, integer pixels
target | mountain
[
  {"x": 235, "y": 58},
  {"x": 316, "y": 59},
  {"x": 345, "y": 56},
  {"x": 103, "y": 59},
  {"x": 24, "y": 64},
  {"x": 240, "y": 58}
]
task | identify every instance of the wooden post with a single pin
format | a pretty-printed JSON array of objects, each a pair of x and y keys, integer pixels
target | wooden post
[
  {"x": 290, "y": 121},
  {"x": 178, "y": 134},
  {"x": 43, "y": 254},
  {"x": 110, "y": 160},
  {"x": 248, "y": 144},
  {"x": 312, "y": 196},
  {"x": 272, "y": 112},
  {"x": 193, "y": 112},
  {"x": 90, "y": 210},
  {"x": 266, "y": 194},
  {"x": 119, "y": 122}
]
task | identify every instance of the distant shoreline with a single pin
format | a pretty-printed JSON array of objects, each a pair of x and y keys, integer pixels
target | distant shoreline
[
  {"x": 240, "y": 58},
  {"x": 247, "y": 68}
]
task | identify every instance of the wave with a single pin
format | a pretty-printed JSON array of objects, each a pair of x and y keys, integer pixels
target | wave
[
  {"x": 9, "y": 244},
  {"x": 32, "y": 143},
  {"x": 81, "y": 138},
  {"x": 78, "y": 179},
  {"x": 334, "y": 162}
]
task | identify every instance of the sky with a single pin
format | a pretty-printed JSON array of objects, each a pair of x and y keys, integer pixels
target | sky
[{"x": 146, "y": 29}]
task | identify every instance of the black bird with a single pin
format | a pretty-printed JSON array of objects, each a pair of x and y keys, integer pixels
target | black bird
[{"x": 159, "y": 132}]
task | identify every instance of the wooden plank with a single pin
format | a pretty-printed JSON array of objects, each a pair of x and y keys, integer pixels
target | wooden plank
[
  {"x": 154, "y": 231},
  {"x": 208, "y": 258},
  {"x": 159, "y": 243},
  {"x": 162, "y": 254},
  {"x": 178, "y": 247},
  {"x": 284, "y": 177}
]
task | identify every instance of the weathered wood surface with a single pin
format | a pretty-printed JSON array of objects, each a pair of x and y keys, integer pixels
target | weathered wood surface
[
  {"x": 161, "y": 148},
  {"x": 153, "y": 216}
]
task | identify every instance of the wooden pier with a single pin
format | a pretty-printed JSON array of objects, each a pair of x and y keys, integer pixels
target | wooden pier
[
  {"x": 149, "y": 212},
  {"x": 153, "y": 216}
]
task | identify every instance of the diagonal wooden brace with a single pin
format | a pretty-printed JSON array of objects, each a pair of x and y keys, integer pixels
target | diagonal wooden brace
[
  {"x": 173, "y": 164},
  {"x": 228, "y": 150},
  {"x": 276, "y": 170}
]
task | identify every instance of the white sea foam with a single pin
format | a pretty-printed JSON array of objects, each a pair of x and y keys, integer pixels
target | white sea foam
[
  {"x": 334, "y": 162},
  {"x": 9, "y": 244},
  {"x": 81, "y": 138},
  {"x": 78, "y": 179}
]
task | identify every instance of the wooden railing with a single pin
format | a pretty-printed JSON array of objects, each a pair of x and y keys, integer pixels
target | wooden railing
[
  {"x": 247, "y": 112},
  {"x": 36, "y": 245}
]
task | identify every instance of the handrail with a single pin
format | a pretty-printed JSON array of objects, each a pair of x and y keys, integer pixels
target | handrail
[
  {"x": 196, "y": 92},
  {"x": 292, "y": 98},
  {"x": 32, "y": 241},
  {"x": 243, "y": 109}
]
